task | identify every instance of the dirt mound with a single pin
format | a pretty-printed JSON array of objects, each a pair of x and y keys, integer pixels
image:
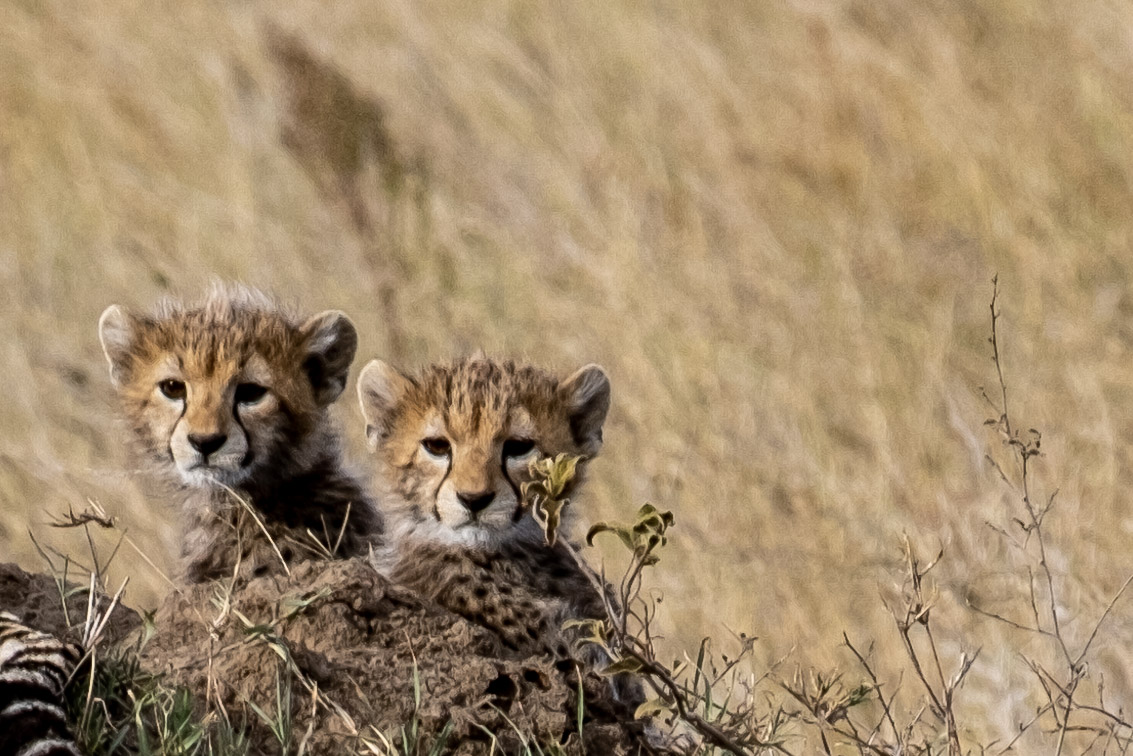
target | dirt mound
[
  {"x": 38, "y": 601},
  {"x": 379, "y": 659}
]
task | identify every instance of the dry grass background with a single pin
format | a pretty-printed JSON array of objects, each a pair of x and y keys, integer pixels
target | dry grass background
[{"x": 774, "y": 224}]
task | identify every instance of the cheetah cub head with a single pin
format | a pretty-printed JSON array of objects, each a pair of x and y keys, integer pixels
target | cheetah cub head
[
  {"x": 454, "y": 443},
  {"x": 230, "y": 391}
]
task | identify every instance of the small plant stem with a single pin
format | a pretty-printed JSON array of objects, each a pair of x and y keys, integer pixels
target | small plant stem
[{"x": 995, "y": 351}]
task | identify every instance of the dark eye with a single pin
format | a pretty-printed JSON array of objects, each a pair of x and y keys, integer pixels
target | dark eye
[
  {"x": 250, "y": 393},
  {"x": 438, "y": 447},
  {"x": 518, "y": 447},
  {"x": 172, "y": 389}
]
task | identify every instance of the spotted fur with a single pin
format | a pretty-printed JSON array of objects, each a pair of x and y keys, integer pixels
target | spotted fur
[
  {"x": 34, "y": 670},
  {"x": 228, "y": 403},
  {"x": 453, "y": 446}
]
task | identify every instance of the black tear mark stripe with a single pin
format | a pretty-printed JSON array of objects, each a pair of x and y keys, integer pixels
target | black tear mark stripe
[
  {"x": 517, "y": 515},
  {"x": 249, "y": 453},
  {"x": 34, "y": 669},
  {"x": 169, "y": 444},
  {"x": 437, "y": 492}
]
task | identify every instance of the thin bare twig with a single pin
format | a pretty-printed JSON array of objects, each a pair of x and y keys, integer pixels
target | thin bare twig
[{"x": 1061, "y": 692}]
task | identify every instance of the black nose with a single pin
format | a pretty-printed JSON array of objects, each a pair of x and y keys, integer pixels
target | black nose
[
  {"x": 207, "y": 444},
  {"x": 477, "y": 501}
]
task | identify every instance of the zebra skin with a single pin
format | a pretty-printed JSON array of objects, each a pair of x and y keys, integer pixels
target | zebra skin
[{"x": 34, "y": 669}]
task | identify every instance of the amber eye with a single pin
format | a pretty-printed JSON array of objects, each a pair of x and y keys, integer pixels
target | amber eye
[
  {"x": 172, "y": 389},
  {"x": 518, "y": 447},
  {"x": 250, "y": 393},
  {"x": 438, "y": 447}
]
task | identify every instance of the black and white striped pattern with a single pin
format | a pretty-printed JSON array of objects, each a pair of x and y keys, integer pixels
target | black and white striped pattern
[{"x": 34, "y": 668}]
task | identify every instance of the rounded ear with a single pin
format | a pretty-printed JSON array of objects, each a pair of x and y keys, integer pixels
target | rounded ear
[
  {"x": 380, "y": 387},
  {"x": 329, "y": 341},
  {"x": 116, "y": 330},
  {"x": 587, "y": 395}
]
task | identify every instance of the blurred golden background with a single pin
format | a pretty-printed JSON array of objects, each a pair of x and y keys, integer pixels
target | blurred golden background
[{"x": 774, "y": 224}]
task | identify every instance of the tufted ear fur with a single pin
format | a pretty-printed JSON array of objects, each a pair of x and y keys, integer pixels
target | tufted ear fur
[
  {"x": 330, "y": 341},
  {"x": 380, "y": 387},
  {"x": 587, "y": 393},
  {"x": 116, "y": 330}
]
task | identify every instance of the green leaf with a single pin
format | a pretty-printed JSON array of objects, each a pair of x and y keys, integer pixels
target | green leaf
[
  {"x": 590, "y": 630},
  {"x": 652, "y": 708},
  {"x": 582, "y": 623},
  {"x": 562, "y": 473},
  {"x": 859, "y": 695},
  {"x": 627, "y": 665},
  {"x": 620, "y": 531},
  {"x": 548, "y": 513},
  {"x": 554, "y": 473}
]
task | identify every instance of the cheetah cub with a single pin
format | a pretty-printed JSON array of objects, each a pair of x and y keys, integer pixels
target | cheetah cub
[
  {"x": 228, "y": 402},
  {"x": 453, "y": 445}
]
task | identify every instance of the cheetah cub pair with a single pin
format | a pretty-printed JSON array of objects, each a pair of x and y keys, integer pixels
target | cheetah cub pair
[{"x": 228, "y": 402}]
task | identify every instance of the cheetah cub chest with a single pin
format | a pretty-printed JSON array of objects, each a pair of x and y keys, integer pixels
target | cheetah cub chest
[
  {"x": 453, "y": 446},
  {"x": 228, "y": 403}
]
